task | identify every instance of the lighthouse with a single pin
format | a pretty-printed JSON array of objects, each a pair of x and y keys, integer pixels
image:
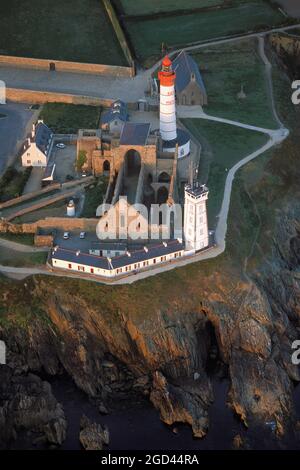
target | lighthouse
[
  {"x": 170, "y": 134},
  {"x": 167, "y": 77},
  {"x": 195, "y": 216}
]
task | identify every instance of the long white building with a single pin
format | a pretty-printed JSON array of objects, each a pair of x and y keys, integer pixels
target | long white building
[{"x": 132, "y": 261}]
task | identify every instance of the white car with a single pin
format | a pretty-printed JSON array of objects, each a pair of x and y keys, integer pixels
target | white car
[
  {"x": 82, "y": 235},
  {"x": 66, "y": 235},
  {"x": 60, "y": 146}
]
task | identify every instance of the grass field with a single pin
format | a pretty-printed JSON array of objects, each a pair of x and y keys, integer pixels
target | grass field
[
  {"x": 68, "y": 118},
  {"x": 19, "y": 259},
  {"x": 223, "y": 146},
  {"x": 94, "y": 196},
  {"x": 223, "y": 77},
  {"x": 147, "y": 36},
  {"x": 73, "y": 30},
  {"x": 23, "y": 238}
]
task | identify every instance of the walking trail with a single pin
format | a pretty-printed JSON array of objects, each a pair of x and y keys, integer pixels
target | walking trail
[{"x": 275, "y": 138}]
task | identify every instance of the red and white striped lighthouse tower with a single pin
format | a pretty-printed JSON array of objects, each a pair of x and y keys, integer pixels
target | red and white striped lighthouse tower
[{"x": 167, "y": 77}]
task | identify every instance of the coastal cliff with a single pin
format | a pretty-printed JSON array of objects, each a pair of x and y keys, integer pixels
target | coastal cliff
[{"x": 119, "y": 341}]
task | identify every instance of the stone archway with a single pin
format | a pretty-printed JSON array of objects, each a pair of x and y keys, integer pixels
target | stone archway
[
  {"x": 164, "y": 177},
  {"x": 106, "y": 167},
  {"x": 162, "y": 195},
  {"x": 132, "y": 161}
]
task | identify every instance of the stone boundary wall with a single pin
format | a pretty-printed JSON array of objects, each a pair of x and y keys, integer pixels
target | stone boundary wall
[
  {"x": 39, "y": 205},
  {"x": 28, "y": 196},
  {"x": 49, "y": 223},
  {"x": 48, "y": 189},
  {"x": 43, "y": 240},
  {"x": 66, "y": 66},
  {"x": 20, "y": 95},
  {"x": 110, "y": 10}
]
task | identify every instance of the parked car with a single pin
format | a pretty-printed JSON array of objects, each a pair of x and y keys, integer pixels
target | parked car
[
  {"x": 60, "y": 146},
  {"x": 66, "y": 235},
  {"x": 82, "y": 235}
]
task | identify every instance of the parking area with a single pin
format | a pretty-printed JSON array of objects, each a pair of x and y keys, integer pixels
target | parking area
[
  {"x": 74, "y": 242},
  {"x": 14, "y": 124},
  {"x": 65, "y": 159}
]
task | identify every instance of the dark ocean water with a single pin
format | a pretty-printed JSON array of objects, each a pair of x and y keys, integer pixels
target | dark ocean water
[{"x": 138, "y": 427}]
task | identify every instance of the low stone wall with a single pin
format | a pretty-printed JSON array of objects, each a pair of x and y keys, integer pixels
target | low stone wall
[
  {"x": 20, "y": 95},
  {"x": 28, "y": 196},
  {"x": 49, "y": 223},
  {"x": 66, "y": 66},
  {"x": 119, "y": 33},
  {"x": 43, "y": 240}
]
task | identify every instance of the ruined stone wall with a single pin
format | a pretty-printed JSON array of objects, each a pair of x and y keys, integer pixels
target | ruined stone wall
[
  {"x": 66, "y": 66},
  {"x": 19, "y": 95}
]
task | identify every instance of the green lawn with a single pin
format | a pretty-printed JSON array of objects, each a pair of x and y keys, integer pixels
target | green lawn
[
  {"x": 223, "y": 146},
  {"x": 147, "y": 36},
  {"x": 23, "y": 238},
  {"x": 223, "y": 76},
  {"x": 13, "y": 182},
  {"x": 68, "y": 118},
  {"x": 94, "y": 197},
  {"x": 19, "y": 259},
  {"x": 73, "y": 30}
]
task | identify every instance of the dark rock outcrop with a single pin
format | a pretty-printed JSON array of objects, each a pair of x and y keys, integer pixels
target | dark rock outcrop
[
  {"x": 92, "y": 435},
  {"x": 27, "y": 403}
]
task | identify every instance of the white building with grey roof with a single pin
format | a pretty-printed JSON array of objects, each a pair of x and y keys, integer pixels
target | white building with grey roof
[{"x": 38, "y": 146}]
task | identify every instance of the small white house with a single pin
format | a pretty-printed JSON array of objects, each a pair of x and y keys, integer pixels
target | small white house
[{"x": 37, "y": 148}]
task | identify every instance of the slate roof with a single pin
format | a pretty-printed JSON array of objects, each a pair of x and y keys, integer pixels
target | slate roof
[
  {"x": 118, "y": 110},
  {"x": 138, "y": 256},
  {"x": 43, "y": 136},
  {"x": 134, "y": 134},
  {"x": 184, "y": 65}
]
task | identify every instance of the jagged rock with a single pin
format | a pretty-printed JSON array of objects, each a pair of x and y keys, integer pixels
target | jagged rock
[
  {"x": 92, "y": 435},
  {"x": 237, "y": 442},
  {"x": 186, "y": 403},
  {"x": 26, "y": 402}
]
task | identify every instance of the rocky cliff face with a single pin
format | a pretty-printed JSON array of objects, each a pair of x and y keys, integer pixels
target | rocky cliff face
[{"x": 163, "y": 352}]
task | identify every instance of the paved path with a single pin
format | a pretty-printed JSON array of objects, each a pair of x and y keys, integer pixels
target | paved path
[
  {"x": 275, "y": 138},
  {"x": 13, "y": 130},
  {"x": 107, "y": 87}
]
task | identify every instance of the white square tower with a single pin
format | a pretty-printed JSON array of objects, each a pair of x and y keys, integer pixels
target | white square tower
[{"x": 195, "y": 217}]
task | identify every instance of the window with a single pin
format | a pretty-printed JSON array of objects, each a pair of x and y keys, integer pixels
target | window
[
  {"x": 28, "y": 162},
  {"x": 122, "y": 222},
  {"x": 81, "y": 268},
  {"x": 69, "y": 266},
  {"x": 154, "y": 261},
  {"x": 92, "y": 270}
]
